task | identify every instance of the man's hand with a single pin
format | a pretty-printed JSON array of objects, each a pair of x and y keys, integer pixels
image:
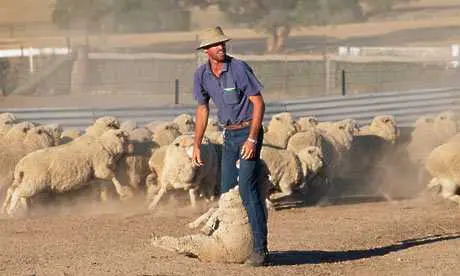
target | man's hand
[
  {"x": 196, "y": 158},
  {"x": 248, "y": 150}
]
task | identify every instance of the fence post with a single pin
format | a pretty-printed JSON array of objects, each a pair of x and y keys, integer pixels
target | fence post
[
  {"x": 344, "y": 83},
  {"x": 176, "y": 91}
]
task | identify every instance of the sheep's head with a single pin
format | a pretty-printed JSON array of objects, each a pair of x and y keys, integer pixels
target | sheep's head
[
  {"x": 55, "y": 130},
  {"x": 19, "y": 131},
  {"x": 283, "y": 122},
  {"x": 312, "y": 159},
  {"x": 348, "y": 125},
  {"x": 178, "y": 160},
  {"x": 115, "y": 141},
  {"x": 386, "y": 127},
  {"x": 39, "y": 137},
  {"x": 109, "y": 122},
  {"x": 128, "y": 125},
  {"x": 7, "y": 119},
  {"x": 306, "y": 123},
  {"x": 231, "y": 199},
  {"x": 185, "y": 122},
  {"x": 213, "y": 125},
  {"x": 165, "y": 133}
]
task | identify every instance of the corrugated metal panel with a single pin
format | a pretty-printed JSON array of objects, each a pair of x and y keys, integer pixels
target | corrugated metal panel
[{"x": 406, "y": 106}]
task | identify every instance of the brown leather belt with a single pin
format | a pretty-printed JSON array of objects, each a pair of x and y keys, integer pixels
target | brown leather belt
[{"x": 238, "y": 125}]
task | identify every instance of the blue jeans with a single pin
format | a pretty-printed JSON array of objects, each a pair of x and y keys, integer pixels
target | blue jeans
[{"x": 249, "y": 187}]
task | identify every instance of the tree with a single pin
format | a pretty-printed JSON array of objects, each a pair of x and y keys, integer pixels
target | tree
[
  {"x": 80, "y": 14},
  {"x": 276, "y": 18}
]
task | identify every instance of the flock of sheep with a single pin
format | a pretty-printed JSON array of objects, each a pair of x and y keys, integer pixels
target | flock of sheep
[{"x": 300, "y": 156}]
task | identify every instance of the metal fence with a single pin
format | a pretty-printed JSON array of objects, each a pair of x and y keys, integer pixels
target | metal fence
[
  {"x": 406, "y": 106},
  {"x": 169, "y": 76}
]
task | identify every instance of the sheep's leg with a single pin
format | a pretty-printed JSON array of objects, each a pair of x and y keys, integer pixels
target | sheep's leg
[
  {"x": 156, "y": 199},
  {"x": 280, "y": 195},
  {"x": 190, "y": 245},
  {"x": 124, "y": 191},
  {"x": 7, "y": 201},
  {"x": 151, "y": 184},
  {"x": 202, "y": 218},
  {"x": 192, "y": 192},
  {"x": 15, "y": 199}
]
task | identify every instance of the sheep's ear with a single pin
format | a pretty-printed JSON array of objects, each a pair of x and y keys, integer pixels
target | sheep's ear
[
  {"x": 25, "y": 130},
  {"x": 39, "y": 131}
]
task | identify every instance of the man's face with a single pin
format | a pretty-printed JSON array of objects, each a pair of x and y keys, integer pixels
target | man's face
[{"x": 217, "y": 52}]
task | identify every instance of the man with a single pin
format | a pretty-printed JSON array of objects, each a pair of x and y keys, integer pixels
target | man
[{"x": 235, "y": 90}]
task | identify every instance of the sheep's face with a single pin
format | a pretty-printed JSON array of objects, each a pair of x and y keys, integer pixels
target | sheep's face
[
  {"x": 185, "y": 123},
  {"x": 40, "y": 137},
  {"x": 283, "y": 122},
  {"x": 7, "y": 119},
  {"x": 115, "y": 140},
  {"x": 306, "y": 123},
  {"x": 166, "y": 133},
  {"x": 231, "y": 199},
  {"x": 109, "y": 122},
  {"x": 180, "y": 151},
  {"x": 349, "y": 125},
  {"x": 313, "y": 157},
  {"x": 55, "y": 130},
  {"x": 386, "y": 127}
]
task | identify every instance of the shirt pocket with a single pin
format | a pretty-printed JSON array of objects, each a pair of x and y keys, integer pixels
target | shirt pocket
[{"x": 232, "y": 95}]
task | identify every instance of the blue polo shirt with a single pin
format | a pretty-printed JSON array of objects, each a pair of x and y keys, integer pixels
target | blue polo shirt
[{"x": 229, "y": 91}]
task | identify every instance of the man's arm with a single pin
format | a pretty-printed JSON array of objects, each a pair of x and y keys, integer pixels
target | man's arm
[
  {"x": 201, "y": 121},
  {"x": 258, "y": 112},
  {"x": 248, "y": 150}
]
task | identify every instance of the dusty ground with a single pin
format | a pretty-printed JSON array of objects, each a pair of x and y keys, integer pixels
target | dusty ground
[{"x": 411, "y": 237}]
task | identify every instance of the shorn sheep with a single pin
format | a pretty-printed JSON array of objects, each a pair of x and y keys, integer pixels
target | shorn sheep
[
  {"x": 179, "y": 172},
  {"x": 225, "y": 238},
  {"x": 65, "y": 168}
]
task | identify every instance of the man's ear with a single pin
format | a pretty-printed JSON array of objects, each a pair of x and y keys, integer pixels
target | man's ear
[{"x": 205, "y": 51}]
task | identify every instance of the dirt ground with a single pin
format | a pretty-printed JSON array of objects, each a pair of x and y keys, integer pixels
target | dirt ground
[{"x": 420, "y": 236}]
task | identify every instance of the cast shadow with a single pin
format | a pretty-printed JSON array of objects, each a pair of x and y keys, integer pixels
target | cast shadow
[{"x": 294, "y": 257}]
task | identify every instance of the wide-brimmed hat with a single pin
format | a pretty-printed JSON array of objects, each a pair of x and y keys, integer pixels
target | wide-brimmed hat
[{"x": 212, "y": 36}]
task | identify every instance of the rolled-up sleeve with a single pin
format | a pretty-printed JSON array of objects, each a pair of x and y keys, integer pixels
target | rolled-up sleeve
[
  {"x": 199, "y": 93},
  {"x": 249, "y": 83}
]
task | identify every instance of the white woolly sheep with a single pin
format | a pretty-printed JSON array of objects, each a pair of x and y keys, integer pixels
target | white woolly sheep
[
  {"x": 180, "y": 173},
  {"x": 66, "y": 167},
  {"x": 443, "y": 164},
  {"x": 185, "y": 123},
  {"x": 280, "y": 128},
  {"x": 155, "y": 163},
  {"x": 35, "y": 139},
  {"x": 225, "y": 238}
]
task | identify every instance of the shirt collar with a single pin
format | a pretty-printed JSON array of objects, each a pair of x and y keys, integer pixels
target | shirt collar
[{"x": 224, "y": 69}]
